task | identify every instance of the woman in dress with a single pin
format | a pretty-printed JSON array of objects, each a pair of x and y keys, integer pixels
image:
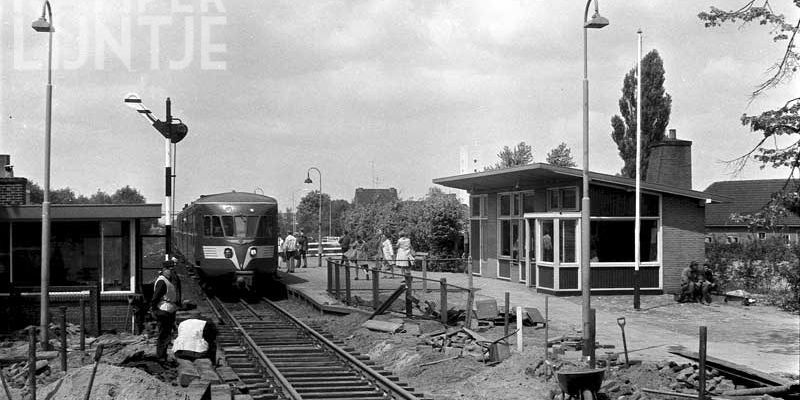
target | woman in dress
[{"x": 405, "y": 254}]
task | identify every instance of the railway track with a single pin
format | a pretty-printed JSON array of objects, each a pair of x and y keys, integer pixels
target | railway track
[{"x": 277, "y": 356}]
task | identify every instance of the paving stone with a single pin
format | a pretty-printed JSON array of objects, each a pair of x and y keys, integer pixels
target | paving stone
[
  {"x": 198, "y": 390},
  {"x": 186, "y": 372},
  {"x": 221, "y": 392}
]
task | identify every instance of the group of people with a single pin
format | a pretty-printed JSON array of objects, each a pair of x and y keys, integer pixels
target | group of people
[
  {"x": 355, "y": 251},
  {"x": 292, "y": 250},
  {"x": 697, "y": 283}
]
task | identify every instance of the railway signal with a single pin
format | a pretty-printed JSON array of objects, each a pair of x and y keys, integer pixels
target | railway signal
[{"x": 173, "y": 130}]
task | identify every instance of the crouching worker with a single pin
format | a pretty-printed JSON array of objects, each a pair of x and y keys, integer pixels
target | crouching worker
[
  {"x": 690, "y": 284},
  {"x": 196, "y": 339}
]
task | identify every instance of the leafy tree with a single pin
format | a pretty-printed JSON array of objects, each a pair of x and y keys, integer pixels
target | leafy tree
[
  {"x": 337, "y": 209},
  {"x": 783, "y": 120},
  {"x": 57, "y": 196},
  {"x": 127, "y": 195},
  {"x": 656, "y": 107},
  {"x": 308, "y": 213},
  {"x": 100, "y": 197},
  {"x": 522, "y": 154},
  {"x": 561, "y": 156}
]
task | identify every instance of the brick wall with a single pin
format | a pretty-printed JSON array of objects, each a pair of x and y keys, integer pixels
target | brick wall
[
  {"x": 12, "y": 191},
  {"x": 25, "y": 311},
  {"x": 683, "y": 238}
]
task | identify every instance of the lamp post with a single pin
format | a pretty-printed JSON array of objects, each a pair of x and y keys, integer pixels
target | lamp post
[
  {"x": 596, "y": 22},
  {"x": 319, "y": 221},
  {"x": 46, "y": 25}
]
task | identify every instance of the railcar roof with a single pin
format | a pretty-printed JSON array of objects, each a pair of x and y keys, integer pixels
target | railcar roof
[{"x": 235, "y": 197}]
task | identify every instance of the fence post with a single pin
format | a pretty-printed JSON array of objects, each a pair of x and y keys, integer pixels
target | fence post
[
  {"x": 82, "y": 303},
  {"x": 63, "y": 338},
  {"x": 702, "y": 350},
  {"x": 94, "y": 294},
  {"x": 443, "y": 300},
  {"x": 330, "y": 277},
  {"x": 376, "y": 288},
  {"x": 425, "y": 274},
  {"x": 409, "y": 295},
  {"x": 470, "y": 299},
  {"x": 505, "y": 318},
  {"x": 346, "y": 284},
  {"x": 336, "y": 284},
  {"x": 519, "y": 329},
  {"x": 32, "y": 361}
]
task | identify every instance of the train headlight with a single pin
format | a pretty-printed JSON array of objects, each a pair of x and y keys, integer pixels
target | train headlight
[
  {"x": 253, "y": 252},
  {"x": 228, "y": 253}
]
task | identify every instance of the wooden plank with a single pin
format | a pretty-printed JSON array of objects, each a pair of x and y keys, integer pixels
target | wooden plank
[
  {"x": 382, "y": 326},
  {"x": 388, "y": 303},
  {"x": 755, "y": 377}
]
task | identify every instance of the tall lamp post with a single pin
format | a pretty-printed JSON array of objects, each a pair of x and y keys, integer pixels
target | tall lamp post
[
  {"x": 319, "y": 221},
  {"x": 46, "y": 25},
  {"x": 596, "y": 22}
]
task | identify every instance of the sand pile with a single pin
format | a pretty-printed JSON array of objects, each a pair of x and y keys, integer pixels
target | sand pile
[{"x": 111, "y": 382}]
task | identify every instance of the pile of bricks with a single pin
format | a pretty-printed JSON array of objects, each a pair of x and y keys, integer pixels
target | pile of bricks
[
  {"x": 17, "y": 374},
  {"x": 455, "y": 342},
  {"x": 687, "y": 377}
]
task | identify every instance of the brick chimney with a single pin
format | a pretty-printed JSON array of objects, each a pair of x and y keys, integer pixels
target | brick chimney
[
  {"x": 671, "y": 162},
  {"x": 13, "y": 191}
]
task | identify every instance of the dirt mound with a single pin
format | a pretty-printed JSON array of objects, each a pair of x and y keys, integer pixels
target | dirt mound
[{"x": 111, "y": 382}]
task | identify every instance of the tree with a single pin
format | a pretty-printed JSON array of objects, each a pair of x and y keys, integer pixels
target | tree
[
  {"x": 561, "y": 156},
  {"x": 308, "y": 213},
  {"x": 522, "y": 154},
  {"x": 127, "y": 195},
  {"x": 778, "y": 122},
  {"x": 656, "y": 107}
]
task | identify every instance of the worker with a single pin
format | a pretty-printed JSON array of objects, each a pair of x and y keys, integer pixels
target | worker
[
  {"x": 164, "y": 305},
  {"x": 690, "y": 284},
  {"x": 707, "y": 283},
  {"x": 196, "y": 339}
]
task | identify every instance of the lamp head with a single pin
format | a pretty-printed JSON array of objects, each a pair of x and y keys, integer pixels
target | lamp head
[
  {"x": 42, "y": 25},
  {"x": 598, "y": 21},
  {"x": 308, "y": 179}
]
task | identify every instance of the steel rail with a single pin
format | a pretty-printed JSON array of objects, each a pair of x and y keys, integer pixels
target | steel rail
[
  {"x": 385, "y": 383},
  {"x": 285, "y": 386}
]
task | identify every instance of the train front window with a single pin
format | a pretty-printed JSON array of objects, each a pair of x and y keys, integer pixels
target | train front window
[
  {"x": 252, "y": 226},
  {"x": 228, "y": 225},
  {"x": 263, "y": 227},
  {"x": 242, "y": 226},
  {"x": 216, "y": 227}
]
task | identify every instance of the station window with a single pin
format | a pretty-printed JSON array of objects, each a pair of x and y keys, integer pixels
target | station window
[
  {"x": 733, "y": 239},
  {"x": 477, "y": 206},
  {"x": 762, "y": 235},
  {"x": 562, "y": 199}
]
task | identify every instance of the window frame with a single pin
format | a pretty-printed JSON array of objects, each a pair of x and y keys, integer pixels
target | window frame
[{"x": 560, "y": 190}]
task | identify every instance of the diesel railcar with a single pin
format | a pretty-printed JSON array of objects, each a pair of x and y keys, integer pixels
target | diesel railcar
[{"x": 231, "y": 239}]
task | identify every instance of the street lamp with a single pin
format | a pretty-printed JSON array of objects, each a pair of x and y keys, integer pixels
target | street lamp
[
  {"x": 46, "y": 25},
  {"x": 596, "y": 22},
  {"x": 319, "y": 221},
  {"x": 173, "y": 130}
]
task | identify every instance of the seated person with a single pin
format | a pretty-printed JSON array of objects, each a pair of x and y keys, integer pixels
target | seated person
[
  {"x": 196, "y": 339},
  {"x": 707, "y": 283},
  {"x": 690, "y": 284}
]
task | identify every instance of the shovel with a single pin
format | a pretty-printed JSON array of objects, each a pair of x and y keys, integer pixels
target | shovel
[
  {"x": 97, "y": 354},
  {"x": 621, "y": 323}
]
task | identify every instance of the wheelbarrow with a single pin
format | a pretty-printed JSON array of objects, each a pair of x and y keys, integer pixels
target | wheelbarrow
[{"x": 582, "y": 385}]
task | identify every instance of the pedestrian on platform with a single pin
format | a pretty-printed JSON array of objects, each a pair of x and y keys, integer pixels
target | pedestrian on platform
[
  {"x": 405, "y": 254},
  {"x": 196, "y": 339},
  {"x": 302, "y": 249},
  {"x": 164, "y": 305},
  {"x": 290, "y": 251},
  {"x": 344, "y": 245},
  {"x": 281, "y": 257},
  {"x": 360, "y": 256},
  {"x": 387, "y": 251}
]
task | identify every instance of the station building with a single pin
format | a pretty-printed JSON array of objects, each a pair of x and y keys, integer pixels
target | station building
[
  {"x": 110, "y": 249},
  {"x": 525, "y": 224}
]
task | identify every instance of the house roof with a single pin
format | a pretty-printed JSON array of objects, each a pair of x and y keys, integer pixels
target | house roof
[
  {"x": 531, "y": 174},
  {"x": 748, "y": 196},
  {"x": 66, "y": 212}
]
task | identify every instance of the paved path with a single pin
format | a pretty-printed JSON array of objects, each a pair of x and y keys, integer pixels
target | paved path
[{"x": 760, "y": 337}]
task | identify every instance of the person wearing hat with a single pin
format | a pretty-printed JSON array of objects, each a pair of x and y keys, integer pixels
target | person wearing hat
[{"x": 164, "y": 304}]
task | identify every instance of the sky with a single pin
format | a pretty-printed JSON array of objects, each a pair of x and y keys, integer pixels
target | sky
[{"x": 381, "y": 93}]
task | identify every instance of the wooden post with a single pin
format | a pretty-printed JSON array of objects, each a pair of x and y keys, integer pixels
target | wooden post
[
  {"x": 470, "y": 299},
  {"x": 508, "y": 310},
  {"x": 376, "y": 288},
  {"x": 63, "y": 338},
  {"x": 519, "y": 329},
  {"x": 469, "y": 273},
  {"x": 546, "y": 337},
  {"x": 83, "y": 323},
  {"x": 94, "y": 292},
  {"x": 32, "y": 361},
  {"x": 330, "y": 277},
  {"x": 409, "y": 294},
  {"x": 347, "y": 284},
  {"x": 701, "y": 392},
  {"x": 443, "y": 300},
  {"x": 336, "y": 284},
  {"x": 425, "y": 274},
  {"x": 592, "y": 321}
]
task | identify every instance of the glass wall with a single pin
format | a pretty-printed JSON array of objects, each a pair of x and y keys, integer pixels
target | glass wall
[{"x": 5, "y": 256}]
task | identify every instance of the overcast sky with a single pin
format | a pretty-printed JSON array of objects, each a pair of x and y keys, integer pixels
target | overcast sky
[{"x": 371, "y": 92}]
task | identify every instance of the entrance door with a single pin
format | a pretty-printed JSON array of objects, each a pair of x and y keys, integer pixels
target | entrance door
[{"x": 529, "y": 262}]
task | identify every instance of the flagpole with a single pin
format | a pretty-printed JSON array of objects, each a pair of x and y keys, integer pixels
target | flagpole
[{"x": 638, "y": 218}]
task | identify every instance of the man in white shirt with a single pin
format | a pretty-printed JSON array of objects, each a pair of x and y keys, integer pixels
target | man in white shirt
[{"x": 290, "y": 250}]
